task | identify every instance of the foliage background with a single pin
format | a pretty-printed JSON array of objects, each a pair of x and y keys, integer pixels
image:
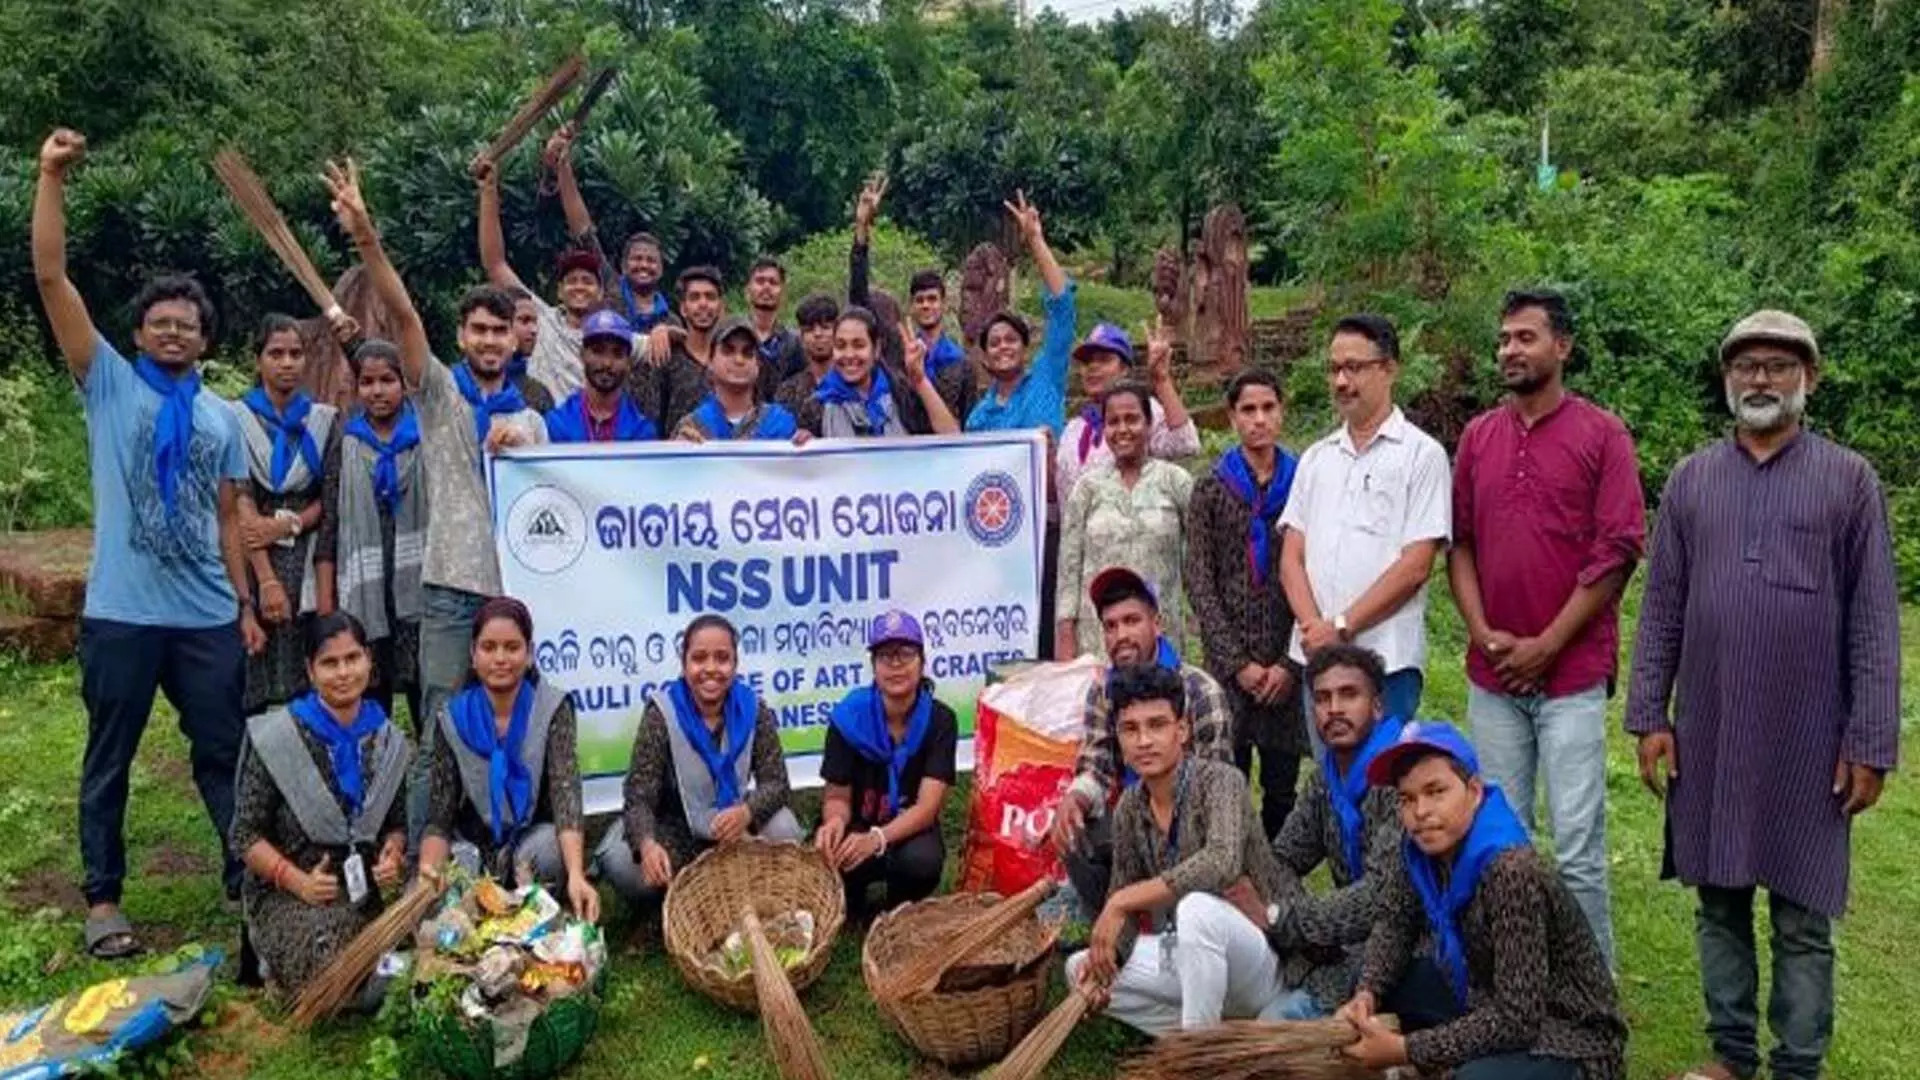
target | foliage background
[{"x": 1384, "y": 151}]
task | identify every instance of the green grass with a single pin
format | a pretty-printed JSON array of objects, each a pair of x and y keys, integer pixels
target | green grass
[{"x": 655, "y": 1027}]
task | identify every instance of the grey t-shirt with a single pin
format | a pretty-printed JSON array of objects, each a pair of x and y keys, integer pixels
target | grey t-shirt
[
  {"x": 460, "y": 552},
  {"x": 555, "y": 360}
]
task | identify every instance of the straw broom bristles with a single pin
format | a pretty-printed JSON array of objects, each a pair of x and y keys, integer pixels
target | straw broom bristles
[
  {"x": 530, "y": 113},
  {"x": 1036, "y": 1051},
  {"x": 335, "y": 985},
  {"x": 251, "y": 195},
  {"x": 1254, "y": 1050},
  {"x": 796, "y": 1052},
  {"x": 921, "y": 974}
]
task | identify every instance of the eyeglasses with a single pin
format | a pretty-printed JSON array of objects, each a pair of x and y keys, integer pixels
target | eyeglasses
[
  {"x": 1775, "y": 368},
  {"x": 173, "y": 326},
  {"x": 1351, "y": 368},
  {"x": 895, "y": 657}
]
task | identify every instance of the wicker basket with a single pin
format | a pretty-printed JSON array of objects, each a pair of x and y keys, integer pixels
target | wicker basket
[
  {"x": 982, "y": 1008},
  {"x": 465, "y": 1052},
  {"x": 772, "y": 877}
]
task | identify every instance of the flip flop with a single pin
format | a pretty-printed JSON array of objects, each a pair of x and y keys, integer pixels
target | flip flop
[{"x": 112, "y": 938}]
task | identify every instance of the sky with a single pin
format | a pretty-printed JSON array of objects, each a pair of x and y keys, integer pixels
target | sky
[{"x": 1092, "y": 11}]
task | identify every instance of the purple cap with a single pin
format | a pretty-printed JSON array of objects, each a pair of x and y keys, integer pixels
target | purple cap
[
  {"x": 895, "y": 625},
  {"x": 1420, "y": 737},
  {"x": 1106, "y": 337},
  {"x": 607, "y": 324}
]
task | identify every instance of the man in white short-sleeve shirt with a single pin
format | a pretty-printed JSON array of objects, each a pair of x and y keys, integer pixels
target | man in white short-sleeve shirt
[{"x": 1369, "y": 510}]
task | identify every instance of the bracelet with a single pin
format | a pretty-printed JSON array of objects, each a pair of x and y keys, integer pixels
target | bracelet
[{"x": 881, "y": 833}]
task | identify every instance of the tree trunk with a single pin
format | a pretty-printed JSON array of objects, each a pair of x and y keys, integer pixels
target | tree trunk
[{"x": 1826, "y": 27}]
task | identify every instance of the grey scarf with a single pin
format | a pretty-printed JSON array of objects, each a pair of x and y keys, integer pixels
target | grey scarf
[{"x": 360, "y": 560}]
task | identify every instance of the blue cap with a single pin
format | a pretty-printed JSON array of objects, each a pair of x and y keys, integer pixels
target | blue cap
[
  {"x": 1106, "y": 337},
  {"x": 607, "y": 324},
  {"x": 1421, "y": 737},
  {"x": 895, "y": 625}
]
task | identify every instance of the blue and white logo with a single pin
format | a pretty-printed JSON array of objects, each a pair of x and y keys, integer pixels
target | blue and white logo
[
  {"x": 994, "y": 509},
  {"x": 546, "y": 529}
]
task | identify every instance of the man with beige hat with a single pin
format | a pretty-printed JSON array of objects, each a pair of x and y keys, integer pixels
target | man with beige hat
[{"x": 1772, "y": 626}]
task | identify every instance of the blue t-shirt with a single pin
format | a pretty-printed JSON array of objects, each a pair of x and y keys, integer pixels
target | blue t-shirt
[
  {"x": 151, "y": 568},
  {"x": 1040, "y": 397}
]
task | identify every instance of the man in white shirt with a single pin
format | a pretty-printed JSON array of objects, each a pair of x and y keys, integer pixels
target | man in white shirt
[{"x": 1369, "y": 510}]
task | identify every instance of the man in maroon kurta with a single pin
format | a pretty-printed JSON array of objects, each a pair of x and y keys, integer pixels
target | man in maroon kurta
[{"x": 1771, "y": 618}]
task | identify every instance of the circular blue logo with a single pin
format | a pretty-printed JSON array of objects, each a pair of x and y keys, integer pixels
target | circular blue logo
[{"x": 994, "y": 509}]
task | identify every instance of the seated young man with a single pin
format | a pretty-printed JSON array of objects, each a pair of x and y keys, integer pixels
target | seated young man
[
  {"x": 1338, "y": 820},
  {"x": 1168, "y": 952},
  {"x": 1516, "y": 988},
  {"x": 1130, "y": 624}
]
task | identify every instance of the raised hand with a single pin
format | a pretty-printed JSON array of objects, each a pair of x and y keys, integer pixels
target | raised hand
[
  {"x": 1026, "y": 217},
  {"x": 486, "y": 173},
  {"x": 63, "y": 149},
  {"x": 559, "y": 145},
  {"x": 916, "y": 356},
  {"x": 1160, "y": 352},
  {"x": 349, "y": 205},
  {"x": 867, "y": 207}
]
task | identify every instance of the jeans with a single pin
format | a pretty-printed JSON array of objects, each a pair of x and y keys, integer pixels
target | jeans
[
  {"x": 1400, "y": 697},
  {"x": 1800, "y": 1007},
  {"x": 1220, "y": 967},
  {"x": 1424, "y": 999},
  {"x": 1565, "y": 740},
  {"x": 446, "y": 654},
  {"x": 203, "y": 674}
]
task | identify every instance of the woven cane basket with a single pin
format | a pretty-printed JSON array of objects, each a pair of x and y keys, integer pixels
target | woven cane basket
[
  {"x": 983, "y": 1007},
  {"x": 706, "y": 899},
  {"x": 465, "y": 1051}
]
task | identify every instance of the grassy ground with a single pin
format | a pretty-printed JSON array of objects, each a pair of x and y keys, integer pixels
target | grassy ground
[{"x": 655, "y": 1027}]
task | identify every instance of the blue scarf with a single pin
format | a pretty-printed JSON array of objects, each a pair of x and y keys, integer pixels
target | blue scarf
[
  {"x": 1095, "y": 419},
  {"x": 739, "y": 715},
  {"x": 485, "y": 408},
  {"x": 775, "y": 421},
  {"x": 1165, "y": 656},
  {"x": 172, "y": 425},
  {"x": 1349, "y": 789},
  {"x": 942, "y": 353},
  {"x": 342, "y": 743},
  {"x": 386, "y": 469},
  {"x": 516, "y": 367},
  {"x": 1495, "y": 830},
  {"x": 289, "y": 431},
  {"x": 569, "y": 423},
  {"x": 1237, "y": 475},
  {"x": 509, "y": 781},
  {"x": 835, "y": 390},
  {"x": 861, "y": 719},
  {"x": 642, "y": 321}
]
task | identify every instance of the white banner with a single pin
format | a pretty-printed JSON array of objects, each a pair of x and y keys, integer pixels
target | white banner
[{"x": 615, "y": 548}]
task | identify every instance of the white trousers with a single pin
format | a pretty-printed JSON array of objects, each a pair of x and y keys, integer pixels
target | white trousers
[{"x": 1220, "y": 967}]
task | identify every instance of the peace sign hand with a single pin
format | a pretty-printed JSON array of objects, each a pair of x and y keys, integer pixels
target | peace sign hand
[
  {"x": 1160, "y": 352},
  {"x": 343, "y": 181},
  {"x": 916, "y": 356},
  {"x": 1026, "y": 217},
  {"x": 867, "y": 207}
]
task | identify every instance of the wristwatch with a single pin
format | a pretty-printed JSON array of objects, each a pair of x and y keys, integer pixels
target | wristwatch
[
  {"x": 1340, "y": 627},
  {"x": 1273, "y": 915}
]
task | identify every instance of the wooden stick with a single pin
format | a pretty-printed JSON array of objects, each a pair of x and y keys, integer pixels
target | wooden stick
[
  {"x": 921, "y": 974},
  {"x": 537, "y": 106},
  {"x": 796, "y": 1050},
  {"x": 251, "y": 196}
]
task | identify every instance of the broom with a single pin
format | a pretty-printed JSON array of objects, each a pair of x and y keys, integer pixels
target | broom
[
  {"x": 796, "y": 1052},
  {"x": 1036, "y": 1051},
  {"x": 921, "y": 974},
  {"x": 602, "y": 82},
  {"x": 1254, "y": 1049},
  {"x": 543, "y": 99},
  {"x": 340, "y": 980},
  {"x": 254, "y": 202}
]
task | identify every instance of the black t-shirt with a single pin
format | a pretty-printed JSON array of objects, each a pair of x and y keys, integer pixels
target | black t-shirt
[{"x": 842, "y": 764}]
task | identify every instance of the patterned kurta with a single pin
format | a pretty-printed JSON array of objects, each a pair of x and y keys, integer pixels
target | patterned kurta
[
  {"x": 279, "y": 673},
  {"x": 1097, "y": 769},
  {"x": 1240, "y": 623},
  {"x": 295, "y": 939},
  {"x": 1535, "y": 979},
  {"x": 652, "y": 791},
  {"x": 1143, "y": 529},
  {"x": 450, "y": 814},
  {"x": 1772, "y": 619},
  {"x": 1321, "y": 937}
]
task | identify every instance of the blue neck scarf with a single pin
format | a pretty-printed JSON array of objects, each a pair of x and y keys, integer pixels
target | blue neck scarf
[
  {"x": 1095, "y": 429},
  {"x": 1237, "y": 475},
  {"x": 643, "y": 321},
  {"x": 861, "y": 719},
  {"x": 569, "y": 423},
  {"x": 289, "y": 431},
  {"x": 509, "y": 781},
  {"x": 386, "y": 468},
  {"x": 172, "y": 426},
  {"x": 1165, "y": 656},
  {"x": 1495, "y": 830},
  {"x": 942, "y": 352},
  {"x": 516, "y": 367},
  {"x": 1349, "y": 789},
  {"x": 486, "y": 407},
  {"x": 741, "y": 711},
  {"x": 342, "y": 743},
  {"x": 835, "y": 390}
]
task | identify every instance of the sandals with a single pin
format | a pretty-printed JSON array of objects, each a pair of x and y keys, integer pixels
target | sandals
[{"x": 112, "y": 938}]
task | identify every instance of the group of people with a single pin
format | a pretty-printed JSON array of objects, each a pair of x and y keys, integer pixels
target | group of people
[{"x": 285, "y": 566}]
